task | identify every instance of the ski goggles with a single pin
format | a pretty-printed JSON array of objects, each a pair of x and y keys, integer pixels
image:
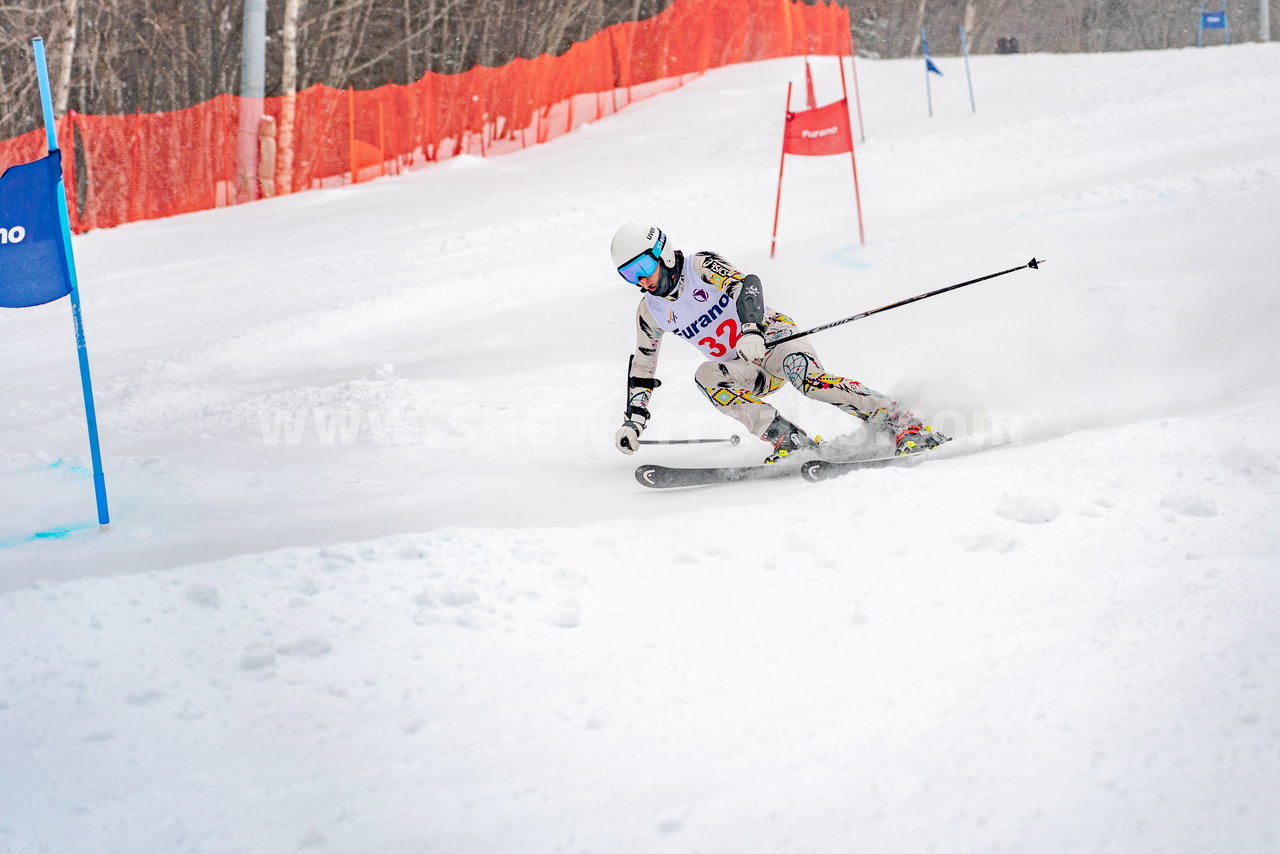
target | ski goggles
[{"x": 643, "y": 265}]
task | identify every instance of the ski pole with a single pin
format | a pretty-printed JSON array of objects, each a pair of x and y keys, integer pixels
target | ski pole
[
  {"x": 732, "y": 440},
  {"x": 1033, "y": 264}
]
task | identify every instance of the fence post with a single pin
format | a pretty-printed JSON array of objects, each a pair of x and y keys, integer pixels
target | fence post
[{"x": 351, "y": 133}]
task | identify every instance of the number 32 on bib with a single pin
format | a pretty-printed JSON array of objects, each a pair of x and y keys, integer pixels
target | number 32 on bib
[{"x": 724, "y": 342}]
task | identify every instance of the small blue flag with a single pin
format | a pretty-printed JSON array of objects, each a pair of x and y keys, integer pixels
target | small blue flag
[
  {"x": 33, "y": 266},
  {"x": 928, "y": 60}
]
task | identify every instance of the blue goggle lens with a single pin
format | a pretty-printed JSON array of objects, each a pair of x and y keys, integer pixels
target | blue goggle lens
[
  {"x": 643, "y": 265},
  {"x": 639, "y": 267}
]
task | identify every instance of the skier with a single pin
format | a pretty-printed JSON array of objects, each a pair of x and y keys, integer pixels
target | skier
[{"x": 721, "y": 311}]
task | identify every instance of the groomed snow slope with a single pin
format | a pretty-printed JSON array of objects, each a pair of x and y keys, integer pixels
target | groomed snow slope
[{"x": 378, "y": 581}]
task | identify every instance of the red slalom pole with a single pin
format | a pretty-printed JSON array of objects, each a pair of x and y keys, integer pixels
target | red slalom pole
[
  {"x": 857, "y": 194},
  {"x": 857, "y": 96},
  {"x": 782, "y": 161}
]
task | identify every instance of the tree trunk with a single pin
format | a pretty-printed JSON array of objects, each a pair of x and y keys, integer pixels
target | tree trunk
[
  {"x": 921, "y": 11},
  {"x": 62, "y": 86},
  {"x": 289, "y": 89}
]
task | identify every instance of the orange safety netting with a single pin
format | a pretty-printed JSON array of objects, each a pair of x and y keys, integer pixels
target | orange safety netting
[{"x": 150, "y": 165}]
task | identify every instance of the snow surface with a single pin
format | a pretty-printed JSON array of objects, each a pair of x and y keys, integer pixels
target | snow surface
[{"x": 378, "y": 581}]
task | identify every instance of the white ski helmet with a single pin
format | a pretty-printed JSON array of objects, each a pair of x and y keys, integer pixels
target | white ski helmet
[{"x": 640, "y": 248}]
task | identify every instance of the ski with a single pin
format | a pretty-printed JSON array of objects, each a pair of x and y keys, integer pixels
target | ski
[
  {"x": 818, "y": 470},
  {"x": 667, "y": 477},
  {"x": 812, "y": 470}
]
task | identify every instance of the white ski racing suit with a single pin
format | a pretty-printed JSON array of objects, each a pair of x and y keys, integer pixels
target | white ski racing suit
[{"x": 707, "y": 309}]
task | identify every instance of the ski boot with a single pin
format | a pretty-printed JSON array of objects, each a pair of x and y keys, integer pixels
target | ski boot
[
  {"x": 917, "y": 438},
  {"x": 786, "y": 439}
]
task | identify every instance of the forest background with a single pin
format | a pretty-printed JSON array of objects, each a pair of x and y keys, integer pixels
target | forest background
[{"x": 121, "y": 56}]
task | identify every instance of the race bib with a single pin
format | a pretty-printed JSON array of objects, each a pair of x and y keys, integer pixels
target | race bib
[{"x": 702, "y": 315}]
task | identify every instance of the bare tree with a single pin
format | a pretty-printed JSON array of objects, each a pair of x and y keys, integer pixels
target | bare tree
[
  {"x": 289, "y": 89},
  {"x": 66, "y": 55},
  {"x": 19, "y": 94}
]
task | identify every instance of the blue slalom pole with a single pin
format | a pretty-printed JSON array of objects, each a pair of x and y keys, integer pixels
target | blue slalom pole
[
  {"x": 964, "y": 49},
  {"x": 928, "y": 91},
  {"x": 91, "y": 417}
]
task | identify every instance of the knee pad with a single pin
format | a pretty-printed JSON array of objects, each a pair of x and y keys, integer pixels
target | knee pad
[
  {"x": 796, "y": 367},
  {"x": 804, "y": 371}
]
